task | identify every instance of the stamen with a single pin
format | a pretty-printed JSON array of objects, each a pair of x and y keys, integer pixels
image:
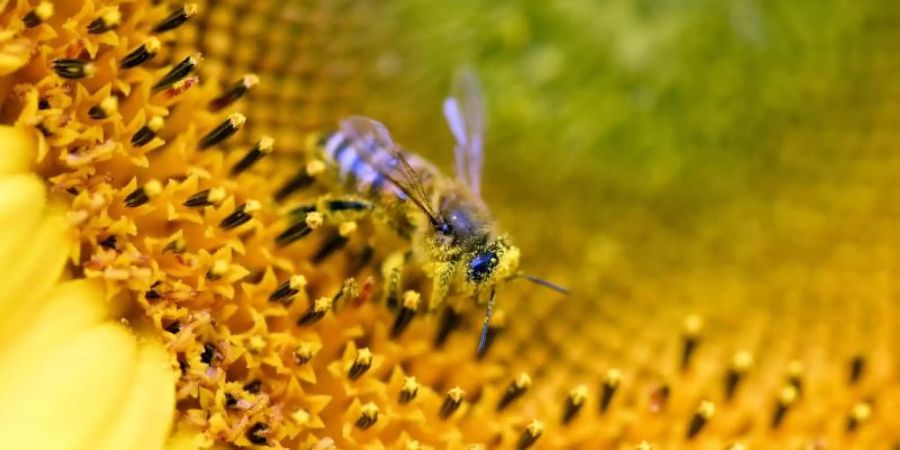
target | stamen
[
  {"x": 704, "y": 412},
  {"x": 450, "y": 321},
  {"x": 740, "y": 364},
  {"x": 143, "y": 53},
  {"x": 253, "y": 387},
  {"x": 225, "y": 130},
  {"x": 795, "y": 376},
  {"x": 334, "y": 243},
  {"x": 498, "y": 320},
  {"x": 105, "y": 108},
  {"x": 304, "y": 353},
  {"x": 40, "y": 13},
  {"x": 786, "y": 398},
  {"x": 218, "y": 269},
  {"x": 574, "y": 402},
  {"x": 409, "y": 391},
  {"x": 142, "y": 194},
  {"x": 659, "y": 398},
  {"x": 858, "y": 415},
  {"x": 106, "y": 22},
  {"x": 177, "y": 246},
  {"x": 262, "y": 148},
  {"x": 176, "y": 18},
  {"x": 205, "y": 197},
  {"x": 857, "y": 368},
  {"x": 235, "y": 92},
  {"x": 610, "y": 385},
  {"x": 147, "y": 132},
  {"x": 361, "y": 363},
  {"x": 452, "y": 402},
  {"x": 532, "y": 432},
  {"x": 350, "y": 289},
  {"x": 368, "y": 415},
  {"x": 183, "y": 69},
  {"x": 109, "y": 242},
  {"x": 406, "y": 313},
  {"x": 693, "y": 324},
  {"x": 293, "y": 233},
  {"x": 73, "y": 69},
  {"x": 288, "y": 289},
  {"x": 240, "y": 216},
  {"x": 316, "y": 312},
  {"x": 297, "y": 182},
  {"x": 257, "y": 434},
  {"x": 515, "y": 390},
  {"x": 209, "y": 352}
]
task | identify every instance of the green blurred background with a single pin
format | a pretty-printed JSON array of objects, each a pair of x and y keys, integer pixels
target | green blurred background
[{"x": 734, "y": 158}]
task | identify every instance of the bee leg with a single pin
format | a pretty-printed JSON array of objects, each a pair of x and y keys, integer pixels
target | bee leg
[
  {"x": 392, "y": 272},
  {"x": 443, "y": 271}
]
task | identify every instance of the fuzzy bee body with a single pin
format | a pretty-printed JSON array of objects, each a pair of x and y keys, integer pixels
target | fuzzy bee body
[{"x": 453, "y": 233}]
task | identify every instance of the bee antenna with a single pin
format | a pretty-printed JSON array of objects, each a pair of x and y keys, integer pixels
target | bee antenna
[
  {"x": 544, "y": 283},
  {"x": 482, "y": 341}
]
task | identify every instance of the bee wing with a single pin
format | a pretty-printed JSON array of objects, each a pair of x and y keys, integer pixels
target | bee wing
[
  {"x": 372, "y": 142},
  {"x": 464, "y": 111}
]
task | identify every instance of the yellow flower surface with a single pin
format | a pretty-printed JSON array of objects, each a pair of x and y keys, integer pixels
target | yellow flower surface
[
  {"x": 168, "y": 287},
  {"x": 72, "y": 377}
]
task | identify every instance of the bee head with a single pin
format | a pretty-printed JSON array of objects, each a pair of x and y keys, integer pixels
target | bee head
[{"x": 494, "y": 261}]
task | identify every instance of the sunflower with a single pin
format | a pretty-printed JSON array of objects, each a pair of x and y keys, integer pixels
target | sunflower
[{"x": 171, "y": 287}]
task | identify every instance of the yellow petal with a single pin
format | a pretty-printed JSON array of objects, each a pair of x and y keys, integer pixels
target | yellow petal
[
  {"x": 16, "y": 150},
  {"x": 72, "y": 308},
  {"x": 144, "y": 420},
  {"x": 30, "y": 272},
  {"x": 22, "y": 202},
  {"x": 63, "y": 401}
]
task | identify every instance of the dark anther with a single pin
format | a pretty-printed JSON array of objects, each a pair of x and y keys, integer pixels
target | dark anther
[
  {"x": 205, "y": 197},
  {"x": 143, "y": 53},
  {"x": 147, "y": 132},
  {"x": 106, "y": 22},
  {"x": 515, "y": 390},
  {"x": 209, "y": 351},
  {"x": 240, "y": 216},
  {"x": 262, "y": 148},
  {"x": 253, "y": 387},
  {"x": 183, "y": 69},
  {"x": 176, "y": 18},
  {"x": 857, "y": 368},
  {"x": 574, "y": 402},
  {"x": 40, "y": 13},
  {"x": 409, "y": 391},
  {"x": 450, "y": 321},
  {"x": 332, "y": 244},
  {"x": 293, "y": 233},
  {"x": 299, "y": 181},
  {"x": 73, "y": 69},
  {"x": 257, "y": 434},
  {"x": 233, "y": 93},
  {"x": 700, "y": 418},
  {"x": 316, "y": 312},
  {"x": 532, "y": 432},
  {"x": 223, "y": 131},
  {"x": 361, "y": 363},
  {"x": 452, "y": 402},
  {"x": 406, "y": 313},
  {"x": 288, "y": 289},
  {"x": 109, "y": 242}
]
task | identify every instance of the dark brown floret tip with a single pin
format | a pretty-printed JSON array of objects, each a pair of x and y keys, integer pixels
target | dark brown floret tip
[
  {"x": 241, "y": 215},
  {"x": 147, "y": 132},
  {"x": 73, "y": 69},
  {"x": 288, "y": 289},
  {"x": 223, "y": 131},
  {"x": 574, "y": 402},
  {"x": 40, "y": 13},
  {"x": 176, "y": 18},
  {"x": 700, "y": 418},
  {"x": 740, "y": 364},
  {"x": 406, "y": 313},
  {"x": 234, "y": 92},
  {"x": 262, "y": 148},
  {"x": 206, "y": 197},
  {"x": 316, "y": 312},
  {"x": 610, "y": 386},
  {"x": 107, "y": 21},
  {"x": 143, "y": 53},
  {"x": 532, "y": 432},
  {"x": 257, "y": 434},
  {"x": 179, "y": 72},
  {"x": 786, "y": 398},
  {"x": 368, "y": 416},
  {"x": 361, "y": 364},
  {"x": 143, "y": 194},
  {"x": 104, "y": 109},
  {"x": 515, "y": 390},
  {"x": 452, "y": 402},
  {"x": 409, "y": 391},
  {"x": 693, "y": 324}
]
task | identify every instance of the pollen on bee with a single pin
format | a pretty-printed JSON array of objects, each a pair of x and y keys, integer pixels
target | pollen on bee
[
  {"x": 105, "y": 108},
  {"x": 235, "y": 92},
  {"x": 700, "y": 418},
  {"x": 223, "y": 131},
  {"x": 314, "y": 219},
  {"x": 179, "y": 72},
  {"x": 361, "y": 363},
  {"x": 346, "y": 228},
  {"x": 515, "y": 390},
  {"x": 262, "y": 148},
  {"x": 143, "y": 53},
  {"x": 40, "y": 13},
  {"x": 176, "y": 18},
  {"x": 574, "y": 402},
  {"x": 532, "y": 432},
  {"x": 452, "y": 402},
  {"x": 143, "y": 194},
  {"x": 105, "y": 22},
  {"x": 405, "y": 314},
  {"x": 73, "y": 68},
  {"x": 409, "y": 391},
  {"x": 316, "y": 312},
  {"x": 368, "y": 416}
]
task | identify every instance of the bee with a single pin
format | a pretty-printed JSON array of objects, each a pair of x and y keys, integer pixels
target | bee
[{"x": 453, "y": 232}]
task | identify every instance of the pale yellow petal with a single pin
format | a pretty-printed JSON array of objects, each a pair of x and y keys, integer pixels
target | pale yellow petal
[
  {"x": 22, "y": 202},
  {"x": 17, "y": 150},
  {"x": 62, "y": 402},
  {"x": 144, "y": 419}
]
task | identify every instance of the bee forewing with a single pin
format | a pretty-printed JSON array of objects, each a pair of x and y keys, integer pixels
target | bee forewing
[{"x": 464, "y": 111}]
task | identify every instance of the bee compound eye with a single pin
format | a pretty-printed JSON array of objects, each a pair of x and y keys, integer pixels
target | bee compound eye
[{"x": 482, "y": 265}]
